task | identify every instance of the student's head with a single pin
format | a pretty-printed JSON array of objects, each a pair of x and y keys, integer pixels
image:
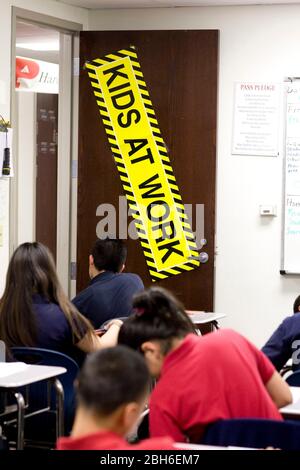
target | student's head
[
  {"x": 31, "y": 271},
  {"x": 297, "y": 305},
  {"x": 157, "y": 323},
  {"x": 107, "y": 255},
  {"x": 112, "y": 388}
]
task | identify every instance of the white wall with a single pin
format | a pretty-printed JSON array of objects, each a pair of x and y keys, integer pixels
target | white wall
[
  {"x": 47, "y": 7},
  {"x": 257, "y": 43}
]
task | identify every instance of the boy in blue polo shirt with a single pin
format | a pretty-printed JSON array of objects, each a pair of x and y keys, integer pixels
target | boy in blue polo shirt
[{"x": 110, "y": 292}]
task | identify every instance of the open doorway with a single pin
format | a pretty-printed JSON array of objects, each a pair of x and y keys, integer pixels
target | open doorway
[
  {"x": 44, "y": 103},
  {"x": 37, "y": 86}
]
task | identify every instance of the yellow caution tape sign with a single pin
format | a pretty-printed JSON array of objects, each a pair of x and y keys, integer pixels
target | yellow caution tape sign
[{"x": 144, "y": 167}]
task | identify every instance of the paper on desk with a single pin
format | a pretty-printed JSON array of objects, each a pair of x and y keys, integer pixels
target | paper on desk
[
  {"x": 293, "y": 408},
  {"x": 10, "y": 368}
]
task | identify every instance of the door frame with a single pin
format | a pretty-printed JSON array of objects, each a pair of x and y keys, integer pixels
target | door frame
[{"x": 67, "y": 135}]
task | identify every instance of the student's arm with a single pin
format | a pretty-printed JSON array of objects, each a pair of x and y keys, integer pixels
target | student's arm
[
  {"x": 161, "y": 424},
  {"x": 279, "y": 390},
  {"x": 91, "y": 342}
]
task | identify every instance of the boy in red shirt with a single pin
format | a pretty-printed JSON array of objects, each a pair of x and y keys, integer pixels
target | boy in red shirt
[
  {"x": 201, "y": 379},
  {"x": 112, "y": 390}
]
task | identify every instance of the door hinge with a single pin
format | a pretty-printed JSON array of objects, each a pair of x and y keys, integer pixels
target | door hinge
[{"x": 73, "y": 270}]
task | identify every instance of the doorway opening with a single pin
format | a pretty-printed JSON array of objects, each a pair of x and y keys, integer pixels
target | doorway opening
[{"x": 44, "y": 99}]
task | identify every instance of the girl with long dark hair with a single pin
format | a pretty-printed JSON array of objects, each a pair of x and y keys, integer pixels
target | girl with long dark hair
[{"x": 35, "y": 311}]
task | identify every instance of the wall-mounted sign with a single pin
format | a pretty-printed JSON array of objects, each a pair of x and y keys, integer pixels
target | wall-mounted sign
[
  {"x": 144, "y": 167},
  {"x": 256, "y": 119},
  {"x": 36, "y": 75}
]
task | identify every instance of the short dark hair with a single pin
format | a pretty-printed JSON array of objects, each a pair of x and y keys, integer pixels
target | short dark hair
[
  {"x": 109, "y": 254},
  {"x": 157, "y": 315},
  {"x": 297, "y": 304},
  {"x": 111, "y": 378}
]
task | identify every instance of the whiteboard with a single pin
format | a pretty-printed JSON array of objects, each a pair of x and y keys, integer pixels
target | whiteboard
[{"x": 291, "y": 201}]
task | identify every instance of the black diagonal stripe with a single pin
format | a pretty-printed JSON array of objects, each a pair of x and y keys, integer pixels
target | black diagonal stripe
[
  {"x": 105, "y": 118},
  {"x": 134, "y": 213},
  {"x": 142, "y": 87},
  {"x": 175, "y": 191},
  {"x": 160, "y": 144},
  {"x": 169, "y": 172},
  {"x": 164, "y": 273},
  {"x": 108, "y": 127},
  {"x": 137, "y": 68},
  {"x": 99, "y": 98},
  {"x": 191, "y": 265},
  {"x": 148, "y": 258},
  {"x": 149, "y": 106},
  {"x": 138, "y": 221},
  {"x": 120, "y": 54},
  {"x": 102, "y": 108},
  {"x": 163, "y": 153},
  {"x": 113, "y": 146},
  {"x": 122, "y": 173},
  {"x": 156, "y": 134},
  {"x": 179, "y": 270},
  {"x": 152, "y": 116},
  {"x": 126, "y": 183},
  {"x": 178, "y": 200},
  {"x": 109, "y": 59},
  {"x": 118, "y": 155},
  {"x": 147, "y": 250},
  {"x": 155, "y": 278},
  {"x": 129, "y": 193},
  {"x": 111, "y": 136},
  {"x": 166, "y": 163},
  {"x": 146, "y": 97},
  {"x": 153, "y": 124},
  {"x": 171, "y": 181}
]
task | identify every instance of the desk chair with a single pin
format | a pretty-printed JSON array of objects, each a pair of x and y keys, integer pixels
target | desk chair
[
  {"x": 254, "y": 433},
  {"x": 39, "y": 396},
  {"x": 294, "y": 379}
]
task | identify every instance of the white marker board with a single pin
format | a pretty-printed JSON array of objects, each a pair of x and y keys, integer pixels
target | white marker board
[{"x": 291, "y": 203}]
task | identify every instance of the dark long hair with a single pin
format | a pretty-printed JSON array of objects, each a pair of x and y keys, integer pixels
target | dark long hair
[
  {"x": 157, "y": 315},
  {"x": 32, "y": 271}
]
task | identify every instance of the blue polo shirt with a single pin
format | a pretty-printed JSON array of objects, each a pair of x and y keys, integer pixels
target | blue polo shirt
[
  {"x": 109, "y": 295},
  {"x": 285, "y": 343},
  {"x": 53, "y": 329}
]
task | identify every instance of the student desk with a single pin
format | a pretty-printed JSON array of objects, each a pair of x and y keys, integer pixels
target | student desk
[
  {"x": 292, "y": 411},
  {"x": 15, "y": 375},
  {"x": 206, "y": 322}
]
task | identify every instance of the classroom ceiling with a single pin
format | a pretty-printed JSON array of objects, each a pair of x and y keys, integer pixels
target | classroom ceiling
[{"x": 98, "y": 4}]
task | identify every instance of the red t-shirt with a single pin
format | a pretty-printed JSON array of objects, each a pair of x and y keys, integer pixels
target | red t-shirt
[
  {"x": 217, "y": 376},
  {"x": 106, "y": 440}
]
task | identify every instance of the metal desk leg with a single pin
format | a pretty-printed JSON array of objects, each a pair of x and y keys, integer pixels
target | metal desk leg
[
  {"x": 59, "y": 408},
  {"x": 20, "y": 420}
]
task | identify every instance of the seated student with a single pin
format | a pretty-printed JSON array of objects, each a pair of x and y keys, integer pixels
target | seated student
[
  {"x": 202, "y": 379},
  {"x": 112, "y": 390},
  {"x": 35, "y": 312},
  {"x": 110, "y": 292},
  {"x": 284, "y": 343}
]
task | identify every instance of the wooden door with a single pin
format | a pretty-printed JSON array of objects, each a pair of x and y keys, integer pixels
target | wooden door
[
  {"x": 180, "y": 69},
  {"x": 46, "y": 182}
]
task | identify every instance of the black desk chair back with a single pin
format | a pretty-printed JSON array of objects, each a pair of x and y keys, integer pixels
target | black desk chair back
[{"x": 254, "y": 433}]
